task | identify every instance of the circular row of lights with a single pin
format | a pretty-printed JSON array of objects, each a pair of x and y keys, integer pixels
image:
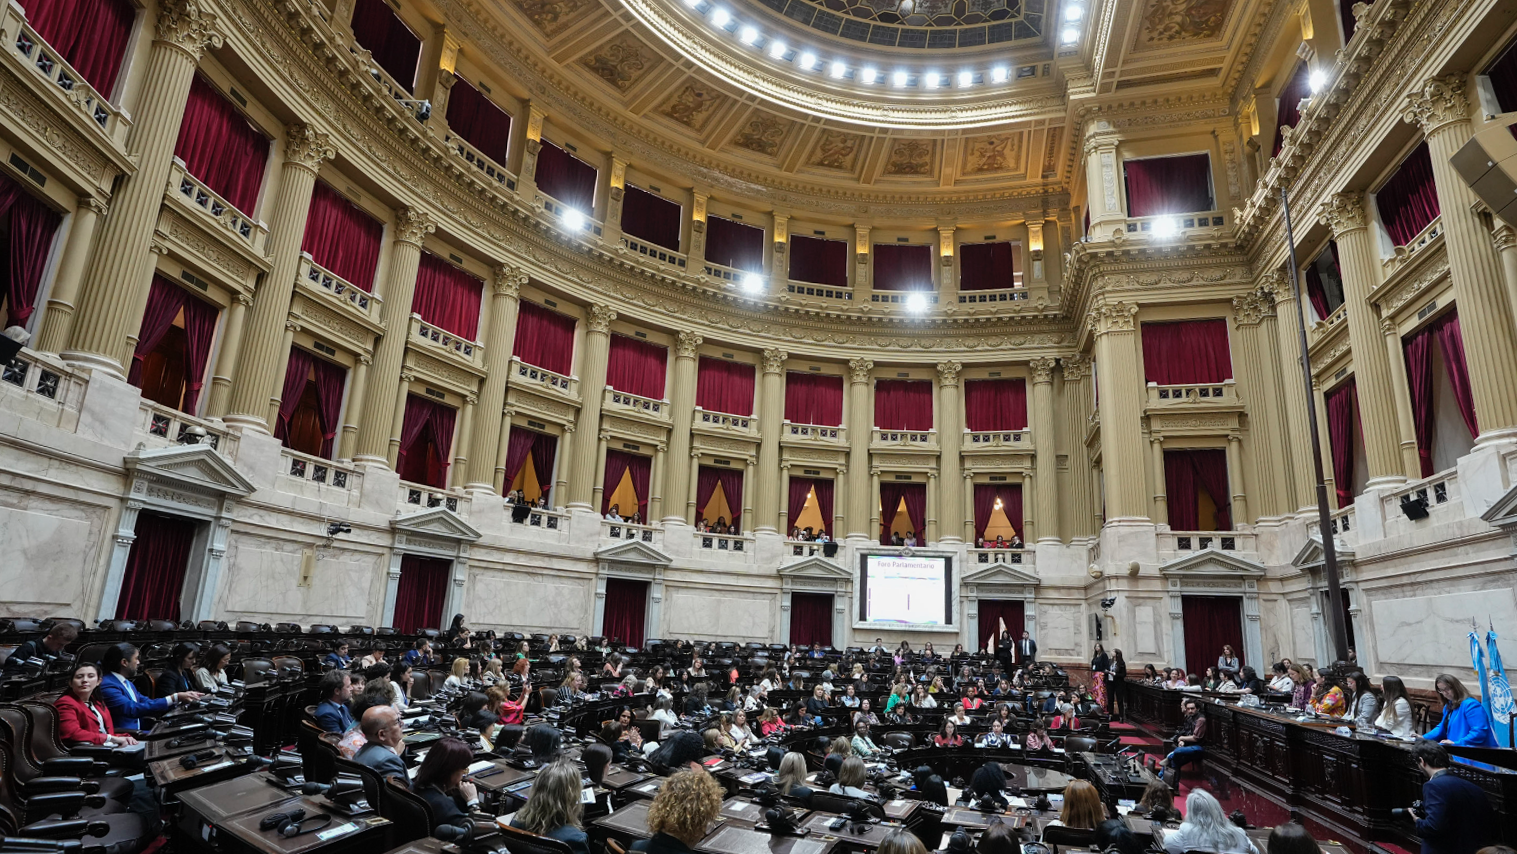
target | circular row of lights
[{"x": 838, "y": 69}]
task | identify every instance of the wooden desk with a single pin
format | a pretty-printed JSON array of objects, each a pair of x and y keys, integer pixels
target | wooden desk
[
  {"x": 871, "y": 836},
  {"x": 645, "y": 789},
  {"x": 618, "y": 778},
  {"x": 735, "y": 839},
  {"x": 976, "y": 820},
  {"x": 344, "y": 834},
  {"x": 506, "y": 776},
  {"x": 153, "y": 751},
  {"x": 742, "y": 811},
  {"x": 237, "y": 796},
  {"x": 632, "y": 821},
  {"x": 172, "y": 777},
  {"x": 901, "y": 809}
]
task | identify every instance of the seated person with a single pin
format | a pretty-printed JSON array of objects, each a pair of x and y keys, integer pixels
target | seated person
[
  {"x": 211, "y": 676},
  {"x": 1158, "y": 802},
  {"x": 420, "y": 655},
  {"x": 1082, "y": 807},
  {"x": 45, "y": 648},
  {"x": 681, "y": 813},
  {"x": 541, "y": 743},
  {"x": 1188, "y": 739},
  {"x": 130, "y": 710},
  {"x": 683, "y": 749},
  {"x": 179, "y": 675},
  {"x": 332, "y": 713},
  {"x": 1037, "y": 738},
  {"x": 1206, "y": 827},
  {"x": 1113, "y": 835},
  {"x": 958, "y": 717},
  {"x": 554, "y": 809},
  {"x": 82, "y": 718},
  {"x": 862, "y": 744},
  {"x": 817, "y": 704},
  {"x": 851, "y": 779},
  {"x": 338, "y": 658},
  {"x": 988, "y": 785},
  {"x": 614, "y": 514},
  {"x": 791, "y": 779},
  {"x": 440, "y": 782},
  {"x": 929, "y": 785},
  {"x": 948, "y": 736},
  {"x": 997, "y": 736},
  {"x": 384, "y": 746}
]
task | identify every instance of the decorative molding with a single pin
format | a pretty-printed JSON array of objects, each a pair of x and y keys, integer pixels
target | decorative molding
[
  {"x": 509, "y": 279},
  {"x": 1042, "y": 369},
  {"x": 948, "y": 373},
  {"x": 1076, "y": 367},
  {"x": 1342, "y": 213},
  {"x": 1107, "y": 317},
  {"x": 858, "y": 370},
  {"x": 189, "y": 25},
  {"x": 412, "y": 225},
  {"x": 687, "y": 344},
  {"x": 600, "y": 318},
  {"x": 306, "y": 146},
  {"x": 1440, "y": 103},
  {"x": 774, "y": 361}
]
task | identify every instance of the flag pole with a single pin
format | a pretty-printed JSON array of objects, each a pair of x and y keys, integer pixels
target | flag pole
[{"x": 1329, "y": 547}]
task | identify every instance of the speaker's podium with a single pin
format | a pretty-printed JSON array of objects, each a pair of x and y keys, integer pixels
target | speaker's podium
[{"x": 229, "y": 816}]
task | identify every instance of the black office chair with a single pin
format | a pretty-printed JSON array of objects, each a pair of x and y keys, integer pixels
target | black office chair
[
  {"x": 1079, "y": 744},
  {"x": 518, "y": 841},
  {"x": 1070, "y": 837},
  {"x": 900, "y": 740},
  {"x": 407, "y": 812},
  {"x": 825, "y": 801}
]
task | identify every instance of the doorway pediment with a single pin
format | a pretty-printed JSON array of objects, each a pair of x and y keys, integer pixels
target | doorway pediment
[
  {"x": 195, "y": 467},
  {"x": 1212, "y": 563},
  {"x": 1311, "y": 556},
  {"x": 633, "y": 554},
  {"x": 816, "y": 567},
  {"x": 438, "y": 530},
  {"x": 1503, "y": 514},
  {"x": 1000, "y": 573}
]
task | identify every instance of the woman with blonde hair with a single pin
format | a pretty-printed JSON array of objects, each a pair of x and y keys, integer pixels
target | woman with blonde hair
[
  {"x": 681, "y": 813},
  {"x": 1082, "y": 807},
  {"x": 851, "y": 779},
  {"x": 554, "y": 809},
  {"x": 791, "y": 779},
  {"x": 459, "y": 675},
  {"x": 901, "y": 841}
]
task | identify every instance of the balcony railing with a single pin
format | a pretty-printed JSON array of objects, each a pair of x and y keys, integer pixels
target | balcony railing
[
  {"x": 556, "y": 211},
  {"x": 176, "y": 428},
  {"x": 404, "y": 100},
  {"x": 998, "y": 295},
  {"x": 1409, "y": 250},
  {"x": 486, "y": 167},
  {"x": 806, "y": 289},
  {"x": 654, "y": 252},
  {"x": 905, "y": 438},
  {"x": 1150, "y": 226},
  {"x": 320, "y": 278},
  {"x": 621, "y": 401},
  {"x": 49, "y": 392},
  {"x": 434, "y": 336},
  {"x": 815, "y": 433},
  {"x": 628, "y": 531},
  {"x": 523, "y": 373},
  {"x": 1195, "y": 541},
  {"x": 542, "y": 517},
  {"x": 730, "y": 275},
  {"x": 723, "y": 542},
  {"x": 35, "y": 53},
  {"x": 723, "y": 421},
  {"x": 414, "y": 496},
  {"x": 193, "y": 192},
  {"x": 1428, "y": 493},
  {"x": 1017, "y": 439},
  {"x": 319, "y": 471},
  {"x": 808, "y": 548},
  {"x": 1222, "y": 393},
  {"x": 986, "y": 557}
]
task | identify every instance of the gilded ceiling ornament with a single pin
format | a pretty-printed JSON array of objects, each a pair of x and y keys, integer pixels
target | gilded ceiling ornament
[
  {"x": 1000, "y": 152},
  {"x": 600, "y": 318},
  {"x": 693, "y": 106},
  {"x": 509, "y": 279},
  {"x": 948, "y": 372},
  {"x": 1440, "y": 102},
  {"x": 1051, "y": 151},
  {"x": 621, "y": 63},
  {"x": 836, "y": 150},
  {"x": 763, "y": 134},
  {"x": 911, "y": 157},
  {"x": 551, "y": 16},
  {"x": 1184, "y": 20}
]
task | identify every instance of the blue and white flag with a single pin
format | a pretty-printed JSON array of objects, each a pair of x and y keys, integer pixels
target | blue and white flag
[
  {"x": 1477, "y": 661},
  {"x": 1498, "y": 697}
]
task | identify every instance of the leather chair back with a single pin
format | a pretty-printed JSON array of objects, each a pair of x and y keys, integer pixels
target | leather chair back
[
  {"x": 44, "y": 740},
  {"x": 518, "y": 841},
  {"x": 421, "y": 684},
  {"x": 246, "y": 627},
  {"x": 1069, "y": 837},
  {"x": 162, "y": 626},
  {"x": 318, "y": 757},
  {"x": 549, "y": 697},
  {"x": 287, "y": 628},
  {"x": 826, "y": 801},
  {"x": 1079, "y": 744},
  {"x": 289, "y": 667},
  {"x": 256, "y": 671},
  {"x": 373, "y": 784},
  {"x": 407, "y": 811},
  {"x": 900, "y": 740}
]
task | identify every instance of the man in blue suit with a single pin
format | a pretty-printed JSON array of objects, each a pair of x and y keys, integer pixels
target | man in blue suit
[
  {"x": 1456, "y": 814},
  {"x": 332, "y": 713},
  {"x": 117, "y": 692},
  {"x": 382, "y": 727}
]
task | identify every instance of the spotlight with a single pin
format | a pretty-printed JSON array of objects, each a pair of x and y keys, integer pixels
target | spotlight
[
  {"x": 916, "y": 303},
  {"x": 1073, "y": 12},
  {"x": 932, "y": 79},
  {"x": 335, "y": 528},
  {"x": 899, "y": 79},
  {"x": 808, "y": 60},
  {"x": 869, "y": 75},
  {"x": 748, "y": 35},
  {"x": 777, "y": 49},
  {"x": 1317, "y": 80},
  {"x": 721, "y": 18},
  {"x": 1069, "y": 36},
  {"x": 966, "y": 79},
  {"x": 1166, "y": 227},
  {"x": 753, "y": 284},
  {"x": 998, "y": 74},
  {"x": 838, "y": 70},
  {"x": 573, "y": 219}
]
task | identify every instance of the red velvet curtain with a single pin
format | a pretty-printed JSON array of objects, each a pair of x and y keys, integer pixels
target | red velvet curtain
[
  {"x": 1342, "y": 431},
  {"x": 379, "y": 30},
  {"x": 1186, "y": 473},
  {"x": 426, "y": 442},
  {"x": 992, "y": 612},
  {"x": 518, "y": 446},
  {"x": 566, "y": 178},
  {"x": 155, "y": 568},
  {"x": 420, "y": 594},
  {"x": 221, "y": 147},
  {"x": 723, "y": 386},
  {"x": 651, "y": 218},
  {"x": 296, "y": 374},
  {"x": 1186, "y": 351},
  {"x": 1288, "y": 111},
  {"x": 164, "y": 301},
  {"x": 626, "y": 611},
  {"x": 544, "y": 454},
  {"x": 1211, "y": 622},
  {"x": 331, "y": 378},
  {"x": 544, "y": 338},
  {"x": 987, "y": 266},
  {"x": 33, "y": 225},
  {"x": 902, "y": 267},
  {"x": 1168, "y": 185},
  {"x": 1409, "y": 200},
  {"x": 903, "y": 404},
  {"x": 342, "y": 237},
  {"x": 479, "y": 120},
  {"x": 819, "y": 261},
  {"x": 891, "y": 493},
  {"x": 447, "y": 296},
  {"x": 985, "y": 495},
  {"x": 824, "y": 496},
  {"x": 1316, "y": 291},
  {"x": 637, "y": 367},
  {"x": 90, "y": 35},
  {"x": 734, "y": 244},
  {"x": 811, "y": 619},
  {"x": 800, "y": 488},
  {"x": 731, "y": 481},
  {"x": 1502, "y": 75},
  {"x": 1444, "y": 334},
  {"x": 995, "y": 404},
  {"x": 620, "y": 463},
  {"x": 814, "y": 399},
  {"x": 199, "y": 332}
]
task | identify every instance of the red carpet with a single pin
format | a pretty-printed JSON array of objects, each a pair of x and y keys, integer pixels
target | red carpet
[
  {"x": 1140, "y": 741},
  {"x": 1261, "y": 811}
]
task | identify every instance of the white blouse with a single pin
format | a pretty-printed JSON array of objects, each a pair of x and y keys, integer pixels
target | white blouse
[{"x": 1396, "y": 718}]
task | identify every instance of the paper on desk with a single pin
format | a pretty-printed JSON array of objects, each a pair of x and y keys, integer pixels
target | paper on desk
[
  {"x": 339, "y": 830},
  {"x": 587, "y": 796},
  {"x": 132, "y": 748},
  {"x": 481, "y": 765},
  {"x": 1018, "y": 803}
]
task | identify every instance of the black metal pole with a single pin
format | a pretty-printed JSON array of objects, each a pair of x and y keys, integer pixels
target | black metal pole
[{"x": 1329, "y": 548}]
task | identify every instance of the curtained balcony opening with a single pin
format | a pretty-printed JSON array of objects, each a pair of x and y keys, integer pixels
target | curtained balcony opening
[
  {"x": 530, "y": 458},
  {"x": 637, "y": 367},
  {"x": 997, "y": 515},
  {"x": 626, "y": 611},
  {"x": 1443, "y": 409},
  {"x": 625, "y": 487},
  {"x": 1324, "y": 282},
  {"x": 1502, "y": 76},
  {"x": 544, "y": 338},
  {"x": 719, "y": 498},
  {"x": 1212, "y": 622},
  {"x": 811, "y": 619},
  {"x": 1000, "y": 618},
  {"x": 378, "y": 29},
  {"x": 819, "y": 262},
  {"x": 153, "y": 584},
  {"x": 1160, "y": 186},
  {"x": 221, "y": 147},
  {"x": 903, "y": 513},
  {"x": 902, "y": 267},
  {"x": 480, "y": 121},
  {"x": 1408, "y": 202},
  {"x": 28, "y": 228},
  {"x": 566, "y": 178},
  {"x": 90, "y": 35},
  {"x": 342, "y": 237},
  {"x": 810, "y": 507},
  {"x": 1197, "y": 491},
  {"x": 447, "y": 296},
  {"x": 1288, "y": 112},
  {"x": 989, "y": 266},
  {"x": 1186, "y": 352},
  {"x": 426, "y": 442},
  {"x": 995, "y": 404},
  {"x": 310, "y": 408},
  {"x": 651, "y": 218},
  {"x": 172, "y": 358},
  {"x": 903, "y": 404},
  {"x": 1345, "y": 436},
  {"x": 734, "y": 244},
  {"x": 813, "y": 399},
  {"x": 724, "y": 386},
  {"x": 420, "y": 593}
]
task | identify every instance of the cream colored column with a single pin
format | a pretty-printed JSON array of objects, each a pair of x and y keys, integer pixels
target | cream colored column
[
  {"x": 526, "y": 181},
  {"x": 617, "y": 184},
  {"x": 354, "y": 409},
  {"x": 1161, "y": 481},
  {"x": 1485, "y": 313},
  {"x": 598, "y": 488},
  {"x": 875, "y": 511},
  {"x": 1327, "y": 449},
  {"x": 565, "y": 462},
  {"x": 928, "y": 533},
  {"x": 784, "y": 514},
  {"x": 1406, "y": 427},
  {"x": 861, "y": 278},
  {"x": 259, "y": 381},
  {"x": 696, "y": 254},
  {"x": 397, "y": 419},
  {"x": 487, "y": 471},
  {"x": 966, "y": 495},
  {"x": 950, "y": 509},
  {"x": 1296, "y": 464},
  {"x": 592, "y": 387},
  {"x": 656, "y": 496},
  {"x": 411, "y": 225},
  {"x": 1344, "y": 214},
  {"x": 119, "y": 277},
  {"x": 1256, "y": 374},
  {"x": 749, "y": 487},
  {"x": 948, "y": 269},
  {"x": 771, "y": 417},
  {"x": 1103, "y": 195},
  {"x": 1122, "y": 391},
  {"x": 58, "y": 321},
  {"x": 1504, "y": 237},
  {"x": 1235, "y": 480},
  {"x": 682, "y": 413},
  {"x": 1030, "y": 527},
  {"x": 860, "y": 418},
  {"x": 458, "y": 476},
  {"x": 226, "y": 360},
  {"x": 693, "y": 481},
  {"x": 1046, "y": 500},
  {"x": 1076, "y": 396}
]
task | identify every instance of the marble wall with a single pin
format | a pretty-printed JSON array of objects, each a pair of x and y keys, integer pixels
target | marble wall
[
  {"x": 266, "y": 584},
  {"x": 708, "y": 611},
  {"x": 529, "y": 601}
]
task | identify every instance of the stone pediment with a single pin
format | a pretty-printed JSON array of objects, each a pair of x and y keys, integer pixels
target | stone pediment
[
  {"x": 1212, "y": 563},
  {"x": 1311, "y": 555},
  {"x": 1000, "y": 573},
  {"x": 633, "y": 552},
  {"x": 195, "y": 467},
  {"x": 436, "y": 522},
  {"x": 816, "y": 567},
  {"x": 1503, "y": 514}
]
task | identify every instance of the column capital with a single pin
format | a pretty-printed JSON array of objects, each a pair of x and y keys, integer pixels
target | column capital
[
  {"x": 244, "y": 300},
  {"x": 774, "y": 361},
  {"x": 1388, "y": 328},
  {"x": 305, "y": 146},
  {"x": 948, "y": 373},
  {"x": 1250, "y": 309},
  {"x": 858, "y": 370},
  {"x": 292, "y": 326},
  {"x": 600, "y": 318},
  {"x": 1156, "y": 438},
  {"x": 189, "y": 25},
  {"x": 1276, "y": 285},
  {"x": 1504, "y": 237},
  {"x": 509, "y": 279},
  {"x": 413, "y": 224},
  {"x": 1042, "y": 369},
  {"x": 1076, "y": 367},
  {"x": 1343, "y": 213},
  {"x": 1440, "y": 102},
  {"x": 686, "y": 344},
  {"x": 1108, "y": 317}
]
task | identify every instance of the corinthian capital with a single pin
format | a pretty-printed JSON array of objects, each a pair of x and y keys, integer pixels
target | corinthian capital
[
  {"x": 1342, "y": 213},
  {"x": 1112, "y": 317},
  {"x": 1440, "y": 102},
  {"x": 1276, "y": 285},
  {"x": 413, "y": 224},
  {"x": 1042, "y": 369},
  {"x": 948, "y": 373},
  {"x": 1250, "y": 309},
  {"x": 774, "y": 361},
  {"x": 188, "y": 25},
  {"x": 600, "y": 318},
  {"x": 1504, "y": 237},
  {"x": 509, "y": 279},
  {"x": 306, "y": 146},
  {"x": 858, "y": 370},
  {"x": 686, "y": 344},
  {"x": 1076, "y": 367}
]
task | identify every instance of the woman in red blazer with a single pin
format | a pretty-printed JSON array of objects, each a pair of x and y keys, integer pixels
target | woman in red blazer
[{"x": 81, "y": 720}]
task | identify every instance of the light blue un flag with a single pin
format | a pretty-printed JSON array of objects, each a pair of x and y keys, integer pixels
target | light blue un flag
[{"x": 1498, "y": 696}]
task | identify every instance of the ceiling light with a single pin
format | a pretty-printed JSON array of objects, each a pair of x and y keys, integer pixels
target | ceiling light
[
  {"x": 916, "y": 302},
  {"x": 931, "y": 80},
  {"x": 573, "y": 220},
  {"x": 999, "y": 74},
  {"x": 753, "y": 284},
  {"x": 1166, "y": 227},
  {"x": 808, "y": 61},
  {"x": 966, "y": 79},
  {"x": 1317, "y": 80},
  {"x": 777, "y": 49},
  {"x": 898, "y": 79},
  {"x": 721, "y": 18},
  {"x": 1070, "y": 35},
  {"x": 838, "y": 70},
  {"x": 1073, "y": 12},
  {"x": 692, "y": 3},
  {"x": 869, "y": 75},
  {"x": 747, "y": 35}
]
